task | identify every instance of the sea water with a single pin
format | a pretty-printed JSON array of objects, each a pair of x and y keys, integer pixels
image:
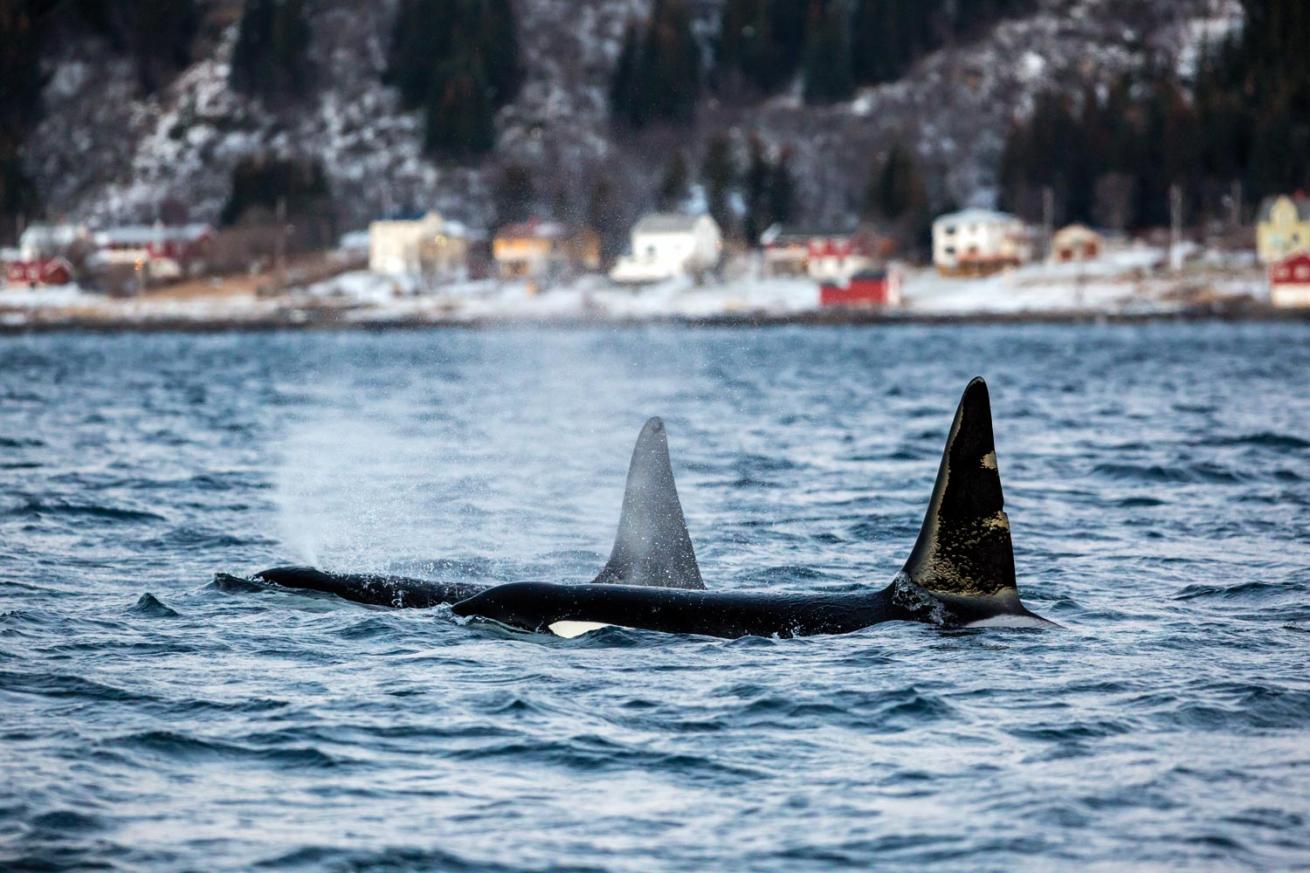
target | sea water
[{"x": 1157, "y": 479}]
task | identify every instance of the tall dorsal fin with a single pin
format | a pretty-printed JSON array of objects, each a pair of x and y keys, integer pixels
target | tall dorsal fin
[
  {"x": 652, "y": 546},
  {"x": 964, "y": 545}
]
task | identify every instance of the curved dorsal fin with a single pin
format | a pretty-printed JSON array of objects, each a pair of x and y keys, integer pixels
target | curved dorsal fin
[
  {"x": 652, "y": 546},
  {"x": 964, "y": 545}
]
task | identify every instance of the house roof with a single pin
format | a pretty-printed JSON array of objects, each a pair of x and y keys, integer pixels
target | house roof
[
  {"x": 143, "y": 234},
  {"x": 976, "y": 216},
  {"x": 39, "y": 235},
  {"x": 408, "y": 217},
  {"x": 1302, "y": 207},
  {"x": 667, "y": 222},
  {"x": 1075, "y": 230},
  {"x": 534, "y": 228},
  {"x": 783, "y": 233}
]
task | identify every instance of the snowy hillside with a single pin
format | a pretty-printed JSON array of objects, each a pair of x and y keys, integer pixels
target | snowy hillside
[{"x": 103, "y": 153}]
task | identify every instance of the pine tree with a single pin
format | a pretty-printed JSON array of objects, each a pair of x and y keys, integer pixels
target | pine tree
[
  {"x": 1246, "y": 119},
  {"x": 787, "y": 19},
  {"x": 21, "y": 38},
  {"x": 718, "y": 175},
  {"x": 750, "y": 51},
  {"x": 895, "y": 191},
  {"x": 459, "y": 61},
  {"x": 499, "y": 50},
  {"x": 673, "y": 186},
  {"x": 782, "y": 190},
  {"x": 18, "y": 198},
  {"x": 156, "y": 34},
  {"x": 460, "y": 117},
  {"x": 895, "y": 197},
  {"x": 514, "y": 195},
  {"x": 828, "y": 74},
  {"x": 627, "y": 107},
  {"x": 262, "y": 184},
  {"x": 755, "y": 185},
  {"x": 603, "y": 216},
  {"x": 271, "y": 57},
  {"x": 657, "y": 77}
]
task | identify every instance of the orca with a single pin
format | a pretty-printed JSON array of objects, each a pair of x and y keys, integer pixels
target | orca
[
  {"x": 652, "y": 546},
  {"x": 960, "y": 571}
]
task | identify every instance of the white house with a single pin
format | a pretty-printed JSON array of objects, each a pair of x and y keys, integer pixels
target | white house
[
  {"x": 979, "y": 242},
  {"x": 424, "y": 246},
  {"x": 49, "y": 240},
  {"x": 665, "y": 245}
]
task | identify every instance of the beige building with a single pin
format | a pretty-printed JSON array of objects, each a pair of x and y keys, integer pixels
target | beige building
[
  {"x": 1076, "y": 242},
  {"x": 978, "y": 242},
  {"x": 428, "y": 246},
  {"x": 1283, "y": 228}
]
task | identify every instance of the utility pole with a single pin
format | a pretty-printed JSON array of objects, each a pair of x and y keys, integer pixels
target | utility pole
[
  {"x": 1048, "y": 219},
  {"x": 1175, "y": 227},
  {"x": 1235, "y": 207},
  {"x": 279, "y": 257}
]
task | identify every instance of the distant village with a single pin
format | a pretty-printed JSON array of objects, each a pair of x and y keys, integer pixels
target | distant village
[{"x": 427, "y": 255}]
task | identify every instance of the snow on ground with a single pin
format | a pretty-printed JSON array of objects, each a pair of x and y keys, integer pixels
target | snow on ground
[
  {"x": 1100, "y": 285},
  {"x": 375, "y": 297},
  {"x": 1126, "y": 281},
  {"x": 22, "y": 297}
]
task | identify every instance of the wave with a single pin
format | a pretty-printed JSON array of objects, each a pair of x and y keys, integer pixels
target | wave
[
  {"x": 184, "y": 747},
  {"x": 37, "y": 508},
  {"x": 1202, "y": 472},
  {"x": 1251, "y": 707},
  {"x": 1263, "y": 439},
  {"x": 1237, "y": 591}
]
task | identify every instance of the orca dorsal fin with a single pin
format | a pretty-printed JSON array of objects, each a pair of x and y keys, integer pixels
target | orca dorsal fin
[
  {"x": 653, "y": 546},
  {"x": 964, "y": 545}
]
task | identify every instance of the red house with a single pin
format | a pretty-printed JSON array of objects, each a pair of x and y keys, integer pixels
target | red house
[
  {"x": 39, "y": 271},
  {"x": 825, "y": 254},
  {"x": 166, "y": 251},
  {"x": 867, "y": 288},
  {"x": 1289, "y": 281}
]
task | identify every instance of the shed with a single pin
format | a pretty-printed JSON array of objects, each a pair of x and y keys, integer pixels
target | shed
[{"x": 1289, "y": 281}]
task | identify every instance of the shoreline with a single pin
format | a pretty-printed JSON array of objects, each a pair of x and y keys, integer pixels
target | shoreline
[{"x": 329, "y": 320}]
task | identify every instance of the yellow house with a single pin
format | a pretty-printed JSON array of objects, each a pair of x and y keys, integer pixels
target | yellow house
[
  {"x": 1284, "y": 228},
  {"x": 544, "y": 250}
]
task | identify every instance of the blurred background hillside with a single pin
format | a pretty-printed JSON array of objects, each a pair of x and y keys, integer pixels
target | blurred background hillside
[{"x": 821, "y": 111}]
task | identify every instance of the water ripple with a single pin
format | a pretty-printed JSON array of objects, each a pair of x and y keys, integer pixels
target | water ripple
[{"x": 159, "y": 710}]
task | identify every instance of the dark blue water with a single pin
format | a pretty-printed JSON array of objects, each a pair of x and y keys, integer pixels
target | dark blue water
[{"x": 1157, "y": 480}]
